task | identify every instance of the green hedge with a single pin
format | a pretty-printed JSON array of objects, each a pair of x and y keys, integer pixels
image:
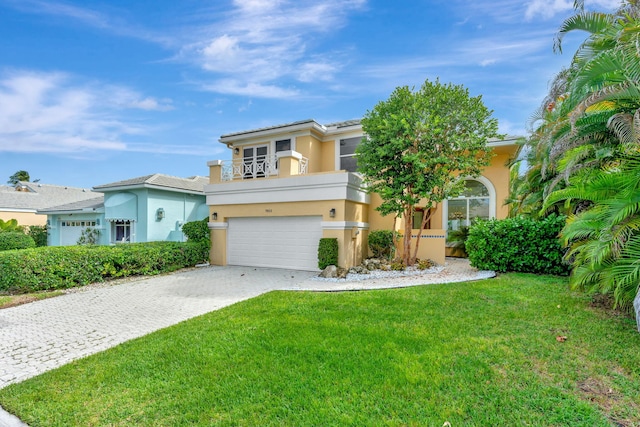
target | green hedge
[
  {"x": 518, "y": 244},
  {"x": 197, "y": 231},
  {"x": 10, "y": 240},
  {"x": 327, "y": 252},
  {"x": 58, "y": 267}
]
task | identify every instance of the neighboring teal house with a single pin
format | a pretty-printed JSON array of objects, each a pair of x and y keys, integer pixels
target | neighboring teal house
[{"x": 144, "y": 209}]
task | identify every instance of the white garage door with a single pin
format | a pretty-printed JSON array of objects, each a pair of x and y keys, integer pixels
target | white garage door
[
  {"x": 70, "y": 232},
  {"x": 280, "y": 242}
]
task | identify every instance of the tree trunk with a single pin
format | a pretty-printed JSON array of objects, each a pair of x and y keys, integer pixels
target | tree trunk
[
  {"x": 425, "y": 218},
  {"x": 406, "y": 254}
]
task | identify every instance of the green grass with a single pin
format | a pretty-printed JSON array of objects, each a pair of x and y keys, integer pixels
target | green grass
[
  {"x": 474, "y": 354},
  {"x": 7, "y": 301}
]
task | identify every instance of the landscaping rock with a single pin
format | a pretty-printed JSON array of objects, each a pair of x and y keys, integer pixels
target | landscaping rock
[
  {"x": 636, "y": 306},
  {"x": 331, "y": 272},
  {"x": 342, "y": 273},
  {"x": 358, "y": 269}
]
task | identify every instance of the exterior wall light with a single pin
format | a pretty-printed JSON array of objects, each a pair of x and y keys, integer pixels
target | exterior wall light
[
  {"x": 214, "y": 216},
  {"x": 160, "y": 214},
  {"x": 236, "y": 151},
  {"x": 332, "y": 213}
]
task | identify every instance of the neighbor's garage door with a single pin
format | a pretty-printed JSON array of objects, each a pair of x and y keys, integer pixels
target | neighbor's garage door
[
  {"x": 280, "y": 242},
  {"x": 70, "y": 232}
]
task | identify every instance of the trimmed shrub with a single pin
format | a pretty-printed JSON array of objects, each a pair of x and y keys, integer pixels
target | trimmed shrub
[
  {"x": 425, "y": 264},
  {"x": 59, "y": 267},
  {"x": 518, "y": 244},
  {"x": 89, "y": 236},
  {"x": 197, "y": 231},
  {"x": 39, "y": 234},
  {"x": 327, "y": 252},
  {"x": 10, "y": 240},
  {"x": 381, "y": 243}
]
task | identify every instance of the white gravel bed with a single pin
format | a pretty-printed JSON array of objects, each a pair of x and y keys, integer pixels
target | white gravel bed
[{"x": 382, "y": 274}]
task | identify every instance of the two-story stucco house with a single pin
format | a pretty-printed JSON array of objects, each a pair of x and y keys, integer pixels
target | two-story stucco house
[
  {"x": 288, "y": 186},
  {"x": 143, "y": 209}
]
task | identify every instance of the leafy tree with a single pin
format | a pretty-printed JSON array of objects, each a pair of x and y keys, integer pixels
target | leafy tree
[
  {"x": 19, "y": 176},
  {"x": 39, "y": 234},
  {"x": 10, "y": 225},
  {"x": 418, "y": 143}
]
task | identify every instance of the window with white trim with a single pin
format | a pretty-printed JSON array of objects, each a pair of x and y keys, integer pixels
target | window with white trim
[
  {"x": 121, "y": 231},
  {"x": 348, "y": 159},
  {"x": 282, "y": 145},
  {"x": 474, "y": 202}
]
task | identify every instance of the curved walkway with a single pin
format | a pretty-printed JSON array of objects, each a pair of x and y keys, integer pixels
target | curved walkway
[{"x": 44, "y": 335}]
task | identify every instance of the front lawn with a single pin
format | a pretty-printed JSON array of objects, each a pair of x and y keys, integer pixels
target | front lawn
[{"x": 483, "y": 353}]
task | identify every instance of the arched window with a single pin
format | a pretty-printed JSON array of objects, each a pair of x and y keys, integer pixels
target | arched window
[{"x": 476, "y": 201}]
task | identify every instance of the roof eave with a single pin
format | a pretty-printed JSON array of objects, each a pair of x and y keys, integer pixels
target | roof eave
[
  {"x": 310, "y": 125},
  {"x": 148, "y": 186}
]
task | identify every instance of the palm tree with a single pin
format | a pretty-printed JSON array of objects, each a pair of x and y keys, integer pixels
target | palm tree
[
  {"x": 585, "y": 152},
  {"x": 19, "y": 176},
  {"x": 604, "y": 240}
]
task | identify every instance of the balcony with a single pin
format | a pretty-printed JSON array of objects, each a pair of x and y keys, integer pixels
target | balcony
[{"x": 283, "y": 164}]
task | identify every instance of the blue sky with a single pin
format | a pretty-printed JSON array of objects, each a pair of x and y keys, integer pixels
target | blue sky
[{"x": 93, "y": 92}]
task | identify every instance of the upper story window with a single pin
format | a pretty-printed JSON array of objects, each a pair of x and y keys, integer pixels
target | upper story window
[
  {"x": 348, "y": 159},
  {"x": 283, "y": 145}
]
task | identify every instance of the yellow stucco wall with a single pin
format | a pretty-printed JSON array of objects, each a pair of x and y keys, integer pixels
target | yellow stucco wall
[
  {"x": 24, "y": 218},
  {"x": 351, "y": 240},
  {"x": 498, "y": 174},
  {"x": 328, "y": 159},
  {"x": 311, "y": 148}
]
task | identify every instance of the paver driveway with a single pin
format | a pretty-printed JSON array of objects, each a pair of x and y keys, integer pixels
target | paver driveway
[{"x": 40, "y": 336}]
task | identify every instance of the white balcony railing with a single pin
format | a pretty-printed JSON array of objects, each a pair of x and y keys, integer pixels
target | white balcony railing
[{"x": 256, "y": 167}]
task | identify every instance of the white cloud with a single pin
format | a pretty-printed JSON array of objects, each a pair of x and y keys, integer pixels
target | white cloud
[
  {"x": 152, "y": 104},
  {"x": 252, "y": 89},
  {"x": 487, "y": 62},
  {"x": 549, "y": 8},
  {"x": 314, "y": 71},
  {"x": 262, "y": 42},
  {"x": 46, "y": 112},
  {"x": 89, "y": 17}
]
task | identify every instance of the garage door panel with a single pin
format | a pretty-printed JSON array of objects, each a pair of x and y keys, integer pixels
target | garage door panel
[{"x": 280, "y": 242}]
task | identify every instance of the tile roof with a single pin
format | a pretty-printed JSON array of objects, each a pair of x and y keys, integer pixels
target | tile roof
[
  {"x": 193, "y": 183},
  {"x": 95, "y": 203},
  {"x": 35, "y": 195}
]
